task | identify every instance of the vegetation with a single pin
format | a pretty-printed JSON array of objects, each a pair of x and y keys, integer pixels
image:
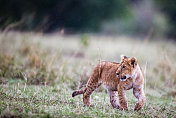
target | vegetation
[
  {"x": 38, "y": 74},
  {"x": 132, "y": 17},
  {"x": 45, "y": 15},
  {"x": 169, "y": 8}
]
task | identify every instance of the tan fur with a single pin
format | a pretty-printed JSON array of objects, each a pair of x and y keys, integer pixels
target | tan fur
[
  {"x": 106, "y": 73},
  {"x": 133, "y": 75}
]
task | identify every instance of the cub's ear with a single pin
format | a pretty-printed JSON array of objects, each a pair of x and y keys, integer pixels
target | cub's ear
[
  {"x": 133, "y": 61},
  {"x": 123, "y": 57}
]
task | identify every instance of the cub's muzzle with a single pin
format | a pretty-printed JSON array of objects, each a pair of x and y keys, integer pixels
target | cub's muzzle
[{"x": 123, "y": 78}]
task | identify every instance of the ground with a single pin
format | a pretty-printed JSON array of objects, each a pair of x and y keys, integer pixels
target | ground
[{"x": 39, "y": 72}]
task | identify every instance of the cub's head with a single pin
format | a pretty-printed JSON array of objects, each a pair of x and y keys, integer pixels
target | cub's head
[{"x": 126, "y": 68}]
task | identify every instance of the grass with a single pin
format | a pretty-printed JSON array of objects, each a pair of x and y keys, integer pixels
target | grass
[
  {"x": 38, "y": 74},
  {"x": 57, "y": 101}
]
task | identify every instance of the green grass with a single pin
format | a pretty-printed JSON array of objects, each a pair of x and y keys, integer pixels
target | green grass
[
  {"x": 38, "y": 74},
  {"x": 57, "y": 101}
]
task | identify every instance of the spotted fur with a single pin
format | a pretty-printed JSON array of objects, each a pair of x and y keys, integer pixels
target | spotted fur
[{"x": 112, "y": 75}]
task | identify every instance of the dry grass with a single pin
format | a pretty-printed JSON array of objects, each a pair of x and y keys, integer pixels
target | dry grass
[{"x": 65, "y": 63}]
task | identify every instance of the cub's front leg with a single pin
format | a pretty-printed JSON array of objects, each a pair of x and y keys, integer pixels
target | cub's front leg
[
  {"x": 140, "y": 95},
  {"x": 113, "y": 99},
  {"x": 122, "y": 97}
]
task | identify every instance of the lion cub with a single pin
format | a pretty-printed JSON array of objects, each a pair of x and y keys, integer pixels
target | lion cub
[{"x": 117, "y": 77}]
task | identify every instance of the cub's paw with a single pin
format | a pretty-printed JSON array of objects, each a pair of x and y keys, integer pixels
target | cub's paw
[
  {"x": 137, "y": 107},
  {"x": 123, "y": 108},
  {"x": 116, "y": 106},
  {"x": 89, "y": 105}
]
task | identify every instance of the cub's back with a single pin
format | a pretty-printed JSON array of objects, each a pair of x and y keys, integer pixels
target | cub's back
[{"x": 108, "y": 74}]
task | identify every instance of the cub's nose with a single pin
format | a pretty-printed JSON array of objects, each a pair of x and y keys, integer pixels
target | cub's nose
[
  {"x": 117, "y": 73},
  {"x": 123, "y": 77}
]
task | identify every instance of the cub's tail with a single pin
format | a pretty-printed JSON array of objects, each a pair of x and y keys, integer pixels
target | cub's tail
[{"x": 78, "y": 92}]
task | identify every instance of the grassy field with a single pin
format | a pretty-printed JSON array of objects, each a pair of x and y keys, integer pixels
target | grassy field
[{"x": 38, "y": 74}]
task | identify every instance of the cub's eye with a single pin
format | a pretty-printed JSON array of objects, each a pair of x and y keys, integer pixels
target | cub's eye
[{"x": 123, "y": 66}]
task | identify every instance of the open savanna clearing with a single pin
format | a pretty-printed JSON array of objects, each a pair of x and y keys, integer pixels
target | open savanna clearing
[{"x": 38, "y": 74}]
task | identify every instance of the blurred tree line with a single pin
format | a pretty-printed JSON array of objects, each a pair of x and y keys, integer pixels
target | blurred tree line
[
  {"x": 52, "y": 14},
  {"x": 169, "y": 8},
  {"x": 76, "y": 15}
]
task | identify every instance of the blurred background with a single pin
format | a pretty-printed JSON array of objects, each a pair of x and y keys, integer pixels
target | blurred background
[
  {"x": 129, "y": 17},
  {"x": 48, "y": 49}
]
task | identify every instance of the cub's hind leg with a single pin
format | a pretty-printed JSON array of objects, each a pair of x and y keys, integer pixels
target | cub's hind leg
[
  {"x": 113, "y": 99},
  {"x": 92, "y": 84},
  {"x": 87, "y": 95}
]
